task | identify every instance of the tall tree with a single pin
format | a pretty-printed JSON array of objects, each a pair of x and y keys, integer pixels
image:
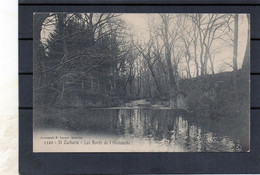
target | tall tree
[
  {"x": 168, "y": 39},
  {"x": 246, "y": 61},
  {"x": 235, "y": 42}
]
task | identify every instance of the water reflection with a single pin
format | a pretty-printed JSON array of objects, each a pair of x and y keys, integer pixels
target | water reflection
[{"x": 166, "y": 128}]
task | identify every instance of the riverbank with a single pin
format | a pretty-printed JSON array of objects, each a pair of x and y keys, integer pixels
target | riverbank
[{"x": 219, "y": 95}]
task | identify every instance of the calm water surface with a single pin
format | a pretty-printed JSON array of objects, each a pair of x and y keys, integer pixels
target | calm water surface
[{"x": 161, "y": 128}]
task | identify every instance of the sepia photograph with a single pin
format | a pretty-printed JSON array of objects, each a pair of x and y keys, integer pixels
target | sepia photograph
[{"x": 141, "y": 82}]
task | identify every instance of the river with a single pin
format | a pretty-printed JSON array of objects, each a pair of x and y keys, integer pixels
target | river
[{"x": 142, "y": 130}]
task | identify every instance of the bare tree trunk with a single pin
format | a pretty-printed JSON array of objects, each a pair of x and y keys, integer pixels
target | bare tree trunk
[
  {"x": 235, "y": 42},
  {"x": 202, "y": 64},
  {"x": 155, "y": 79},
  {"x": 62, "y": 30},
  {"x": 235, "y": 55},
  {"x": 188, "y": 59},
  {"x": 202, "y": 70},
  {"x": 188, "y": 69},
  {"x": 212, "y": 64},
  {"x": 206, "y": 58},
  {"x": 173, "y": 85},
  {"x": 246, "y": 64},
  {"x": 195, "y": 42},
  {"x": 195, "y": 59},
  {"x": 150, "y": 66}
]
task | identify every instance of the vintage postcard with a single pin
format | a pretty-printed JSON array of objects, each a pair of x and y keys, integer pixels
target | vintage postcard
[{"x": 141, "y": 82}]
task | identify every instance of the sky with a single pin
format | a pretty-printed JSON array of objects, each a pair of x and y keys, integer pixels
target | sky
[{"x": 139, "y": 26}]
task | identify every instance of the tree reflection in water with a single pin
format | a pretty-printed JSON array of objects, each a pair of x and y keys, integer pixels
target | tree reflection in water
[
  {"x": 166, "y": 128},
  {"x": 158, "y": 127}
]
